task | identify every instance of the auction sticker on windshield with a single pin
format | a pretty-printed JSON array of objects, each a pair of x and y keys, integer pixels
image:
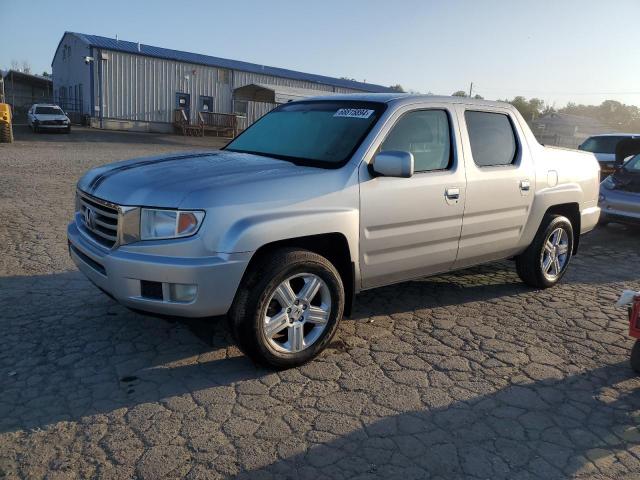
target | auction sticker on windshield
[{"x": 353, "y": 113}]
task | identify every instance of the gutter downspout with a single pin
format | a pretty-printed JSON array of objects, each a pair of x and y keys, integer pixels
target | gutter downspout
[
  {"x": 92, "y": 106},
  {"x": 100, "y": 84}
]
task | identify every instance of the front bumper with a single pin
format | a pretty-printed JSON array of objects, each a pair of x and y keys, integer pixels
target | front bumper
[
  {"x": 120, "y": 274},
  {"x": 52, "y": 127},
  {"x": 620, "y": 206}
]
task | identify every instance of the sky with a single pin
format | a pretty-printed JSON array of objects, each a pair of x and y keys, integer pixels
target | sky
[{"x": 582, "y": 51}]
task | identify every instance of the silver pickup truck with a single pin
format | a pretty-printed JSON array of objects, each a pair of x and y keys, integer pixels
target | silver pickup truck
[{"x": 323, "y": 198}]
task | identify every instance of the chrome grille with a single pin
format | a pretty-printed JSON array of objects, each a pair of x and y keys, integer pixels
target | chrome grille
[{"x": 99, "y": 219}]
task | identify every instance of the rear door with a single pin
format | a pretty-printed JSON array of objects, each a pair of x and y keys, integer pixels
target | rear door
[
  {"x": 500, "y": 184},
  {"x": 410, "y": 227}
]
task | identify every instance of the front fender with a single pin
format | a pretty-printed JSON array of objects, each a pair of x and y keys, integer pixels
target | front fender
[{"x": 252, "y": 232}]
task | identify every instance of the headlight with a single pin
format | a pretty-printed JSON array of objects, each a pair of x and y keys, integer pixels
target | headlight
[
  {"x": 609, "y": 183},
  {"x": 161, "y": 224}
]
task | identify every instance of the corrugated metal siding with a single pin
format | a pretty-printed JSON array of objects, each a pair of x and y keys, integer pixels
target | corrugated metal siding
[
  {"x": 143, "y": 88},
  {"x": 137, "y": 87},
  {"x": 240, "y": 79},
  {"x": 255, "y": 110},
  {"x": 198, "y": 59}
]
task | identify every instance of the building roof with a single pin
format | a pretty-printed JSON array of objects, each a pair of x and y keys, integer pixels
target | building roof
[
  {"x": 555, "y": 118},
  {"x": 260, "y": 92},
  {"x": 26, "y": 77},
  {"x": 199, "y": 59}
]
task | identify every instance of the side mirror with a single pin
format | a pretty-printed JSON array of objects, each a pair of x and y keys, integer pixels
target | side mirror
[{"x": 394, "y": 163}]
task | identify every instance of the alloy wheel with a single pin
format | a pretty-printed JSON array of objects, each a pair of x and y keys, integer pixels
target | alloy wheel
[{"x": 297, "y": 313}]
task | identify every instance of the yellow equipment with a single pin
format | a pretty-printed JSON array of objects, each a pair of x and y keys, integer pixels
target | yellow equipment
[{"x": 6, "y": 130}]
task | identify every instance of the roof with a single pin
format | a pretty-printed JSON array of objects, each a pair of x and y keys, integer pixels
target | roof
[
  {"x": 199, "y": 59},
  {"x": 567, "y": 119},
  {"x": 626, "y": 135},
  {"x": 28, "y": 77},
  {"x": 408, "y": 98},
  {"x": 272, "y": 93}
]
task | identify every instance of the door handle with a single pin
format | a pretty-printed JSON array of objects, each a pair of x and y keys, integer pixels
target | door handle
[
  {"x": 525, "y": 185},
  {"x": 452, "y": 193}
]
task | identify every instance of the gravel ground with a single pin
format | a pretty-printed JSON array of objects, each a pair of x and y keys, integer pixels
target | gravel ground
[{"x": 467, "y": 375}]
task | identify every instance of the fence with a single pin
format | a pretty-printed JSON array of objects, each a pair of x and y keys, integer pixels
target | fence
[{"x": 557, "y": 140}]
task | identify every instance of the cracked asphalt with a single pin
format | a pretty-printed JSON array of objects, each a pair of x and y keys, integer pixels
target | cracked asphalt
[{"x": 466, "y": 375}]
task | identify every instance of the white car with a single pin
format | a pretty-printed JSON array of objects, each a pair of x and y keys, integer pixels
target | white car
[
  {"x": 604, "y": 148},
  {"x": 45, "y": 116}
]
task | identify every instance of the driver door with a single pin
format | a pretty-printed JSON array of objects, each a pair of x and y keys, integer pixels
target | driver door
[{"x": 410, "y": 227}]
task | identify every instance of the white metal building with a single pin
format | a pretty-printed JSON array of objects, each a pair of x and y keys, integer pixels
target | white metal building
[{"x": 128, "y": 85}]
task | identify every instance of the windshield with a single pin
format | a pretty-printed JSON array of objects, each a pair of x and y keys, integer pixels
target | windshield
[
  {"x": 320, "y": 133},
  {"x": 633, "y": 165},
  {"x": 49, "y": 111},
  {"x": 601, "y": 144}
]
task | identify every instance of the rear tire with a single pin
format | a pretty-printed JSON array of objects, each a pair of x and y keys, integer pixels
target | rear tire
[
  {"x": 545, "y": 261},
  {"x": 279, "y": 326}
]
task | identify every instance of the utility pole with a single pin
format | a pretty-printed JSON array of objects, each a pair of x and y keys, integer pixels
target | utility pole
[{"x": 470, "y": 89}]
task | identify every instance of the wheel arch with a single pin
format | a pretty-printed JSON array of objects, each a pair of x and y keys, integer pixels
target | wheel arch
[
  {"x": 572, "y": 212},
  {"x": 333, "y": 246}
]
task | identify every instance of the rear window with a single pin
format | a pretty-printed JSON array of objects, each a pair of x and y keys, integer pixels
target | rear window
[
  {"x": 49, "y": 111},
  {"x": 601, "y": 144},
  {"x": 493, "y": 142}
]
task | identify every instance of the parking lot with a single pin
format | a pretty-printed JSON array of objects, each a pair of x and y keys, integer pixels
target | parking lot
[{"x": 466, "y": 375}]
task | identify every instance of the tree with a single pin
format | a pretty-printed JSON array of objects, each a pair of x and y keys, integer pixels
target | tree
[
  {"x": 478, "y": 97},
  {"x": 610, "y": 112},
  {"x": 397, "y": 88},
  {"x": 46, "y": 74},
  {"x": 459, "y": 93},
  {"x": 529, "y": 109},
  {"x": 26, "y": 67}
]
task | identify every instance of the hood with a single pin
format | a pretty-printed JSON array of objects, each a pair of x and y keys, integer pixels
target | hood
[
  {"x": 166, "y": 181},
  {"x": 45, "y": 116},
  {"x": 605, "y": 157}
]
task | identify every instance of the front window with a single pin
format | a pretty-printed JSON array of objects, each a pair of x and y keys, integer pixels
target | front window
[
  {"x": 633, "y": 165},
  {"x": 321, "y": 133},
  {"x": 424, "y": 133},
  {"x": 601, "y": 144},
  {"x": 48, "y": 111}
]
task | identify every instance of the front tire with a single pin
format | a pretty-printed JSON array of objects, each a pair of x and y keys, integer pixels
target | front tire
[
  {"x": 287, "y": 308},
  {"x": 545, "y": 261}
]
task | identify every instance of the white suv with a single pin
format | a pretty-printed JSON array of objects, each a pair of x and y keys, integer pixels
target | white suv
[{"x": 45, "y": 116}]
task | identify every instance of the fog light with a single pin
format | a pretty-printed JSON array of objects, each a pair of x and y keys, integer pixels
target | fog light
[
  {"x": 601, "y": 198},
  {"x": 179, "y": 292}
]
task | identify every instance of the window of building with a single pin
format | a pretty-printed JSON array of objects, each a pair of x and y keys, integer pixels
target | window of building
[
  {"x": 224, "y": 76},
  {"x": 492, "y": 139},
  {"x": 206, "y": 104},
  {"x": 426, "y": 134},
  {"x": 240, "y": 107}
]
